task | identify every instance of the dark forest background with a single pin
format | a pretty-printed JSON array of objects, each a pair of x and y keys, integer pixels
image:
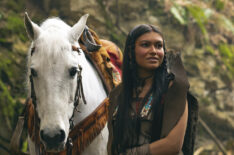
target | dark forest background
[{"x": 202, "y": 30}]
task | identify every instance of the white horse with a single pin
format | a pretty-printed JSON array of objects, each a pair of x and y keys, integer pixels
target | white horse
[{"x": 53, "y": 66}]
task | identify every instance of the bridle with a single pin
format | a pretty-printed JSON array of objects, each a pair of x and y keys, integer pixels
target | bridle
[
  {"x": 83, "y": 133},
  {"x": 91, "y": 46},
  {"x": 79, "y": 95}
]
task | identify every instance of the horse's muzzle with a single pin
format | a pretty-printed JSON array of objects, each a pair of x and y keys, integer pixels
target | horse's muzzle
[{"x": 53, "y": 140}]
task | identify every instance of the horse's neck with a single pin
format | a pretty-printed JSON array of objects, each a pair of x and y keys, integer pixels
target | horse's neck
[{"x": 93, "y": 89}]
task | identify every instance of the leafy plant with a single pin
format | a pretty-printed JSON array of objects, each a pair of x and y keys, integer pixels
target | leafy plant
[
  {"x": 227, "y": 53},
  {"x": 179, "y": 13},
  {"x": 16, "y": 5},
  {"x": 15, "y": 24},
  {"x": 219, "y": 4},
  {"x": 225, "y": 22},
  {"x": 7, "y": 104},
  {"x": 201, "y": 17}
]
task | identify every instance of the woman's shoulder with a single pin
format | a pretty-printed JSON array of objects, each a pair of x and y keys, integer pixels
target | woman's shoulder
[
  {"x": 114, "y": 99},
  {"x": 175, "y": 66}
]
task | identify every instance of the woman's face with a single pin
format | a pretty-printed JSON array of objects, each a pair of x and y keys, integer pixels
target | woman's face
[{"x": 149, "y": 51}]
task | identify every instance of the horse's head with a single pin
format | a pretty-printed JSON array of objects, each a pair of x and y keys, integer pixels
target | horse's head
[{"x": 53, "y": 66}]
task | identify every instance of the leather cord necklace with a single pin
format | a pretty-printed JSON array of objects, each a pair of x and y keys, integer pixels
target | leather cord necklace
[{"x": 140, "y": 84}]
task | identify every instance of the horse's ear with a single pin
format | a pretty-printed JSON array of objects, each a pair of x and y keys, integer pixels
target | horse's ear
[
  {"x": 78, "y": 28},
  {"x": 32, "y": 29}
]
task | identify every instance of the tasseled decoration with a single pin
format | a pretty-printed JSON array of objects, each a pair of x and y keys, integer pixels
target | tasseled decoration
[{"x": 86, "y": 131}]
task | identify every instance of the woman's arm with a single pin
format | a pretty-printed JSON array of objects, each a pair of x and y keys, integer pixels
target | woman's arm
[
  {"x": 169, "y": 145},
  {"x": 172, "y": 144}
]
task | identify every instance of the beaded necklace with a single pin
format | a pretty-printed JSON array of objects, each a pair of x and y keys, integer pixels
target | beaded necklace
[
  {"x": 145, "y": 110},
  {"x": 146, "y": 105},
  {"x": 146, "y": 101}
]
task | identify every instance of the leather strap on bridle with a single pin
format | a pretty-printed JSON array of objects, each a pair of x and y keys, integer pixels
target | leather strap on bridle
[
  {"x": 69, "y": 146},
  {"x": 33, "y": 94},
  {"x": 36, "y": 118},
  {"x": 79, "y": 94}
]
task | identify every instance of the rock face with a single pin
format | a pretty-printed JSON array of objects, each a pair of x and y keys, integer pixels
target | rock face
[{"x": 202, "y": 31}]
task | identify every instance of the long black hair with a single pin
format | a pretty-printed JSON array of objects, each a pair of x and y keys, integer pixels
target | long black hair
[{"x": 124, "y": 124}]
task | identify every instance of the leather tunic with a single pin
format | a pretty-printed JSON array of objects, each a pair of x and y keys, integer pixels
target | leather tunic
[{"x": 174, "y": 104}]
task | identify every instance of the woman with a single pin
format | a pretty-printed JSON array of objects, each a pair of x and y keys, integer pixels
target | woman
[{"x": 148, "y": 111}]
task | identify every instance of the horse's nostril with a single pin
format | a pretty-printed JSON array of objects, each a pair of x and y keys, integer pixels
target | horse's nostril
[
  {"x": 62, "y": 135},
  {"x": 42, "y": 135},
  {"x": 52, "y": 137}
]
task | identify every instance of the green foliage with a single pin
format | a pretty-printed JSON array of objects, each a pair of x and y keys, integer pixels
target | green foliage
[
  {"x": 16, "y": 5},
  {"x": 219, "y": 4},
  {"x": 227, "y": 53},
  {"x": 6, "y": 100},
  {"x": 179, "y": 13},
  {"x": 114, "y": 32},
  {"x": 225, "y": 23},
  {"x": 5, "y": 61},
  {"x": 226, "y": 50},
  {"x": 7, "y": 103},
  {"x": 192, "y": 13},
  {"x": 201, "y": 16},
  {"x": 6, "y": 66},
  {"x": 25, "y": 146},
  {"x": 15, "y": 23},
  {"x": 209, "y": 49}
]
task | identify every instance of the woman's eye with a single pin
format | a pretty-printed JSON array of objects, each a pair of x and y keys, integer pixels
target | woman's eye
[
  {"x": 73, "y": 71},
  {"x": 145, "y": 44},
  {"x": 33, "y": 72},
  {"x": 159, "y": 45}
]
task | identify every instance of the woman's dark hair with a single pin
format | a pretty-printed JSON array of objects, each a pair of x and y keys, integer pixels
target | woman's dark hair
[{"x": 125, "y": 125}]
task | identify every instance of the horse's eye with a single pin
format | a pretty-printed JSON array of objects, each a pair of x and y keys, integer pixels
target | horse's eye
[
  {"x": 73, "y": 71},
  {"x": 33, "y": 72}
]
